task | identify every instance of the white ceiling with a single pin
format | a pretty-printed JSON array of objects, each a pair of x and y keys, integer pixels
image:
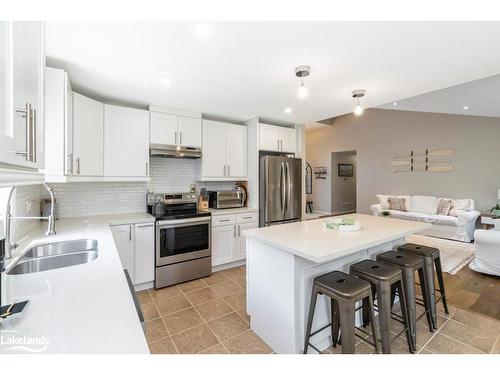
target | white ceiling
[
  {"x": 480, "y": 97},
  {"x": 246, "y": 69}
]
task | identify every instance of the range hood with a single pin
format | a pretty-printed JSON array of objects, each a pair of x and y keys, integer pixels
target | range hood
[{"x": 170, "y": 151}]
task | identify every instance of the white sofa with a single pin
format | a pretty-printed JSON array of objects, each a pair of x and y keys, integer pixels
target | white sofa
[
  {"x": 459, "y": 225},
  {"x": 487, "y": 258}
]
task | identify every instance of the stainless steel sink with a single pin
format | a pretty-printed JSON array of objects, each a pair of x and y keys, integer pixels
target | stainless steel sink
[{"x": 55, "y": 255}]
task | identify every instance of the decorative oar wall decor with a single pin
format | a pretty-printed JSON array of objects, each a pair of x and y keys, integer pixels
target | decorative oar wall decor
[{"x": 428, "y": 161}]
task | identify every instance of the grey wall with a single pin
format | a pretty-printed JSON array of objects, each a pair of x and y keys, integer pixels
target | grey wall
[
  {"x": 379, "y": 133},
  {"x": 343, "y": 188}
]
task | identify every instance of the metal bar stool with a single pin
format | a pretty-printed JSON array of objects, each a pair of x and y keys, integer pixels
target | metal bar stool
[
  {"x": 344, "y": 291},
  {"x": 409, "y": 264},
  {"x": 383, "y": 278},
  {"x": 432, "y": 259}
]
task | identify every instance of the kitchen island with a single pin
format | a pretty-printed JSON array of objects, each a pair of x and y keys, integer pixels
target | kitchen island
[{"x": 283, "y": 260}]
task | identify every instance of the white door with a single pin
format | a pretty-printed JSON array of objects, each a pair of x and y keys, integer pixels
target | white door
[
  {"x": 126, "y": 141},
  {"x": 123, "y": 235},
  {"x": 189, "y": 131},
  {"x": 269, "y": 137},
  {"x": 288, "y": 139},
  {"x": 223, "y": 244},
  {"x": 144, "y": 253},
  {"x": 163, "y": 129},
  {"x": 241, "y": 246},
  {"x": 7, "y": 140},
  {"x": 236, "y": 151},
  {"x": 88, "y": 129},
  {"x": 213, "y": 162}
]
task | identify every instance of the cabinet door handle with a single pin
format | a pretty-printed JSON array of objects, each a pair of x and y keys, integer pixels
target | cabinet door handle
[
  {"x": 78, "y": 165},
  {"x": 239, "y": 230},
  {"x": 224, "y": 169},
  {"x": 176, "y": 137},
  {"x": 224, "y": 220},
  {"x": 130, "y": 232},
  {"x": 69, "y": 169},
  {"x": 180, "y": 138},
  {"x": 278, "y": 144},
  {"x": 147, "y": 169},
  {"x": 228, "y": 170},
  {"x": 246, "y": 217},
  {"x": 26, "y": 113},
  {"x": 33, "y": 136},
  {"x": 234, "y": 231},
  {"x": 281, "y": 143}
]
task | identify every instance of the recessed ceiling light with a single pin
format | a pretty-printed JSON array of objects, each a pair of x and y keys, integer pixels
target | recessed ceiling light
[
  {"x": 395, "y": 104},
  {"x": 287, "y": 110},
  {"x": 165, "y": 81},
  {"x": 203, "y": 30},
  {"x": 465, "y": 108}
]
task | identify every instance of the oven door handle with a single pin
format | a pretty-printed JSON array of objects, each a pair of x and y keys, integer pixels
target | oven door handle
[{"x": 205, "y": 219}]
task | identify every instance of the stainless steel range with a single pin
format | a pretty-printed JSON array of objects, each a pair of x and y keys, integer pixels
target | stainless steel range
[{"x": 182, "y": 246}]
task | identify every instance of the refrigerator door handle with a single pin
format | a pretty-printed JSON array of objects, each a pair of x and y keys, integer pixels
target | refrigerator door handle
[
  {"x": 289, "y": 186},
  {"x": 282, "y": 187}
]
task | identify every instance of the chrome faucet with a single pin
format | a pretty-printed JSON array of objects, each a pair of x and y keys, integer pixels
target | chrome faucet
[{"x": 51, "y": 230}]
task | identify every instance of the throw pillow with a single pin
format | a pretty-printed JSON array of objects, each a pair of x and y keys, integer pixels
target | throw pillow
[
  {"x": 444, "y": 206},
  {"x": 459, "y": 205},
  {"x": 397, "y": 204}
]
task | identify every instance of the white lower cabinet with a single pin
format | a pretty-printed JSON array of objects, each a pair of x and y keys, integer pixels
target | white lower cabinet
[
  {"x": 228, "y": 244},
  {"x": 135, "y": 245}
]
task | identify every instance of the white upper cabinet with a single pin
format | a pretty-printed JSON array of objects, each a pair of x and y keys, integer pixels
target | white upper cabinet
[
  {"x": 163, "y": 128},
  {"x": 126, "y": 141},
  {"x": 236, "y": 151},
  {"x": 189, "y": 131},
  {"x": 22, "y": 63},
  {"x": 175, "y": 130},
  {"x": 58, "y": 124},
  {"x": 277, "y": 138},
  {"x": 224, "y": 151},
  {"x": 88, "y": 132}
]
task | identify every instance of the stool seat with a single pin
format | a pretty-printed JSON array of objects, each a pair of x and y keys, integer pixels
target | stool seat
[
  {"x": 376, "y": 271},
  {"x": 340, "y": 284},
  {"x": 413, "y": 248},
  {"x": 400, "y": 259}
]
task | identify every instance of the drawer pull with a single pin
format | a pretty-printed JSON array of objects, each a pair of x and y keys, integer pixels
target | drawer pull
[
  {"x": 247, "y": 217},
  {"x": 224, "y": 220}
]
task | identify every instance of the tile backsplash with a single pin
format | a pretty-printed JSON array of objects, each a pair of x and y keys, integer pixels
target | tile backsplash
[
  {"x": 25, "y": 202},
  {"x": 103, "y": 198}
]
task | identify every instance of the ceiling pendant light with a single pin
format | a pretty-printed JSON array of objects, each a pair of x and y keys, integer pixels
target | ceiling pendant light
[
  {"x": 358, "y": 94},
  {"x": 301, "y": 72}
]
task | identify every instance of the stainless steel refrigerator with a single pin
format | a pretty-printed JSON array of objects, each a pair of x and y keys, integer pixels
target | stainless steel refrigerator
[{"x": 280, "y": 191}]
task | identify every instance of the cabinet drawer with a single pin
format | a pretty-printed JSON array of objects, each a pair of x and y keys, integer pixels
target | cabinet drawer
[
  {"x": 247, "y": 218},
  {"x": 218, "y": 221}
]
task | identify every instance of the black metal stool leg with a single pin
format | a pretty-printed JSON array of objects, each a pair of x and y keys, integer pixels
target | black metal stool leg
[
  {"x": 384, "y": 316},
  {"x": 439, "y": 273},
  {"x": 312, "y": 306},
  {"x": 409, "y": 289},
  {"x": 427, "y": 302},
  {"x": 347, "y": 324},
  {"x": 335, "y": 321},
  {"x": 431, "y": 289},
  {"x": 404, "y": 314}
]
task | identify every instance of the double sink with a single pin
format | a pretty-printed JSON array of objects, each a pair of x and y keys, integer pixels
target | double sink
[{"x": 54, "y": 255}]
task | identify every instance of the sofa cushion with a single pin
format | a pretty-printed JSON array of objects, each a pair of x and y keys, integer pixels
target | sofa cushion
[
  {"x": 407, "y": 199},
  {"x": 424, "y": 204},
  {"x": 426, "y": 218},
  {"x": 397, "y": 204}
]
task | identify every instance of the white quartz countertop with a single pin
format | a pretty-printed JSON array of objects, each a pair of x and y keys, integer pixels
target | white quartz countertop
[
  {"x": 81, "y": 309},
  {"x": 312, "y": 241},
  {"x": 231, "y": 211}
]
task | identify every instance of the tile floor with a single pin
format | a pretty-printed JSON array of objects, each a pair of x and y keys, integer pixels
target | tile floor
[
  {"x": 209, "y": 316},
  {"x": 201, "y": 316}
]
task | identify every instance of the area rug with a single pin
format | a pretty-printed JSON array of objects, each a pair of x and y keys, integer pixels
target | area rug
[{"x": 454, "y": 254}]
